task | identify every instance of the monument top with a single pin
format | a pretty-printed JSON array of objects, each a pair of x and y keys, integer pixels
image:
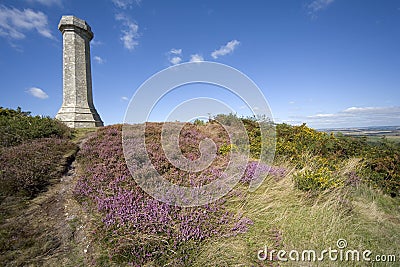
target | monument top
[{"x": 74, "y": 23}]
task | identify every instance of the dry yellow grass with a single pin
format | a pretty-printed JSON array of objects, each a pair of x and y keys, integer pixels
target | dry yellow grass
[{"x": 366, "y": 219}]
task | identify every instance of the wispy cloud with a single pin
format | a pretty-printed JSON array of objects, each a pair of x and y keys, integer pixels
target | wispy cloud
[
  {"x": 225, "y": 49},
  {"x": 356, "y": 116},
  {"x": 196, "y": 58},
  {"x": 37, "y": 92},
  {"x": 175, "y": 56},
  {"x": 355, "y": 110},
  {"x": 176, "y": 51},
  {"x": 322, "y": 115},
  {"x": 96, "y": 42},
  {"x": 47, "y": 2},
  {"x": 126, "y": 4},
  {"x": 124, "y": 98},
  {"x": 14, "y": 22},
  {"x": 129, "y": 31},
  {"x": 98, "y": 60},
  {"x": 317, "y": 5}
]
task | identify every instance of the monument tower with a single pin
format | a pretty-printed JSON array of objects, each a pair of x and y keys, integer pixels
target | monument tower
[{"x": 77, "y": 110}]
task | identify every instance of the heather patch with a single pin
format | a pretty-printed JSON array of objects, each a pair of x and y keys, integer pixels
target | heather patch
[
  {"x": 27, "y": 169},
  {"x": 135, "y": 227},
  {"x": 255, "y": 168}
]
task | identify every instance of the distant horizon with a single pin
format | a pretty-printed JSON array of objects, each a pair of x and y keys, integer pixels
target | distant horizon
[
  {"x": 379, "y": 127},
  {"x": 159, "y": 121}
]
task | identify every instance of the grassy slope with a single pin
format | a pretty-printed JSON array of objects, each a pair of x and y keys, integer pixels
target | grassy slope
[{"x": 286, "y": 218}]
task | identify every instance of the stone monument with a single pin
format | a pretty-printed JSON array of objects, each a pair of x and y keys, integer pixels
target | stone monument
[{"x": 77, "y": 110}]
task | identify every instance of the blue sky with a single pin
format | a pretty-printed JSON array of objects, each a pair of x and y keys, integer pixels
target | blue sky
[{"x": 329, "y": 63}]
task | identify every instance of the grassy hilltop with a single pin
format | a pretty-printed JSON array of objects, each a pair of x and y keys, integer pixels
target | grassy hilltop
[{"x": 320, "y": 188}]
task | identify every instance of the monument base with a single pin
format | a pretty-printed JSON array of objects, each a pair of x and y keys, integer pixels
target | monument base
[{"x": 76, "y": 117}]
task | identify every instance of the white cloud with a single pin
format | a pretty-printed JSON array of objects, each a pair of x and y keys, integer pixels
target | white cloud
[
  {"x": 356, "y": 116},
  {"x": 196, "y": 58},
  {"x": 318, "y": 5},
  {"x": 98, "y": 59},
  {"x": 47, "y": 2},
  {"x": 125, "y": 4},
  {"x": 124, "y": 98},
  {"x": 13, "y": 22},
  {"x": 175, "y": 60},
  {"x": 175, "y": 56},
  {"x": 129, "y": 31},
  {"x": 370, "y": 109},
  {"x": 37, "y": 92},
  {"x": 129, "y": 37},
  {"x": 290, "y": 121},
  {"x": 176, "y": 51},
  {"x": 225, "y": 49},
  {"x": 322, "y": 115}
]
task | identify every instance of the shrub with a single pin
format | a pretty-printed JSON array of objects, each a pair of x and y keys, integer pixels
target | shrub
[
  {"x": 227, "y": 119},
  {"x": 26, "y": 169},
  {"x": 382, "y": 167},
  {"x": 225, "y": 149},
  {"x": 380, "y": 161},
  {"x": 294, "y": 141},
  {"x": 199, "y": 122},
  {"x": 17, "y": 126},
  {"x": 317, "y": 180}
]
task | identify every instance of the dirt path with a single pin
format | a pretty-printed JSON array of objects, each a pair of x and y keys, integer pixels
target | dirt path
[
  {"x": 59, "y": 218},
  {"x": 48, "y": 230}
]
